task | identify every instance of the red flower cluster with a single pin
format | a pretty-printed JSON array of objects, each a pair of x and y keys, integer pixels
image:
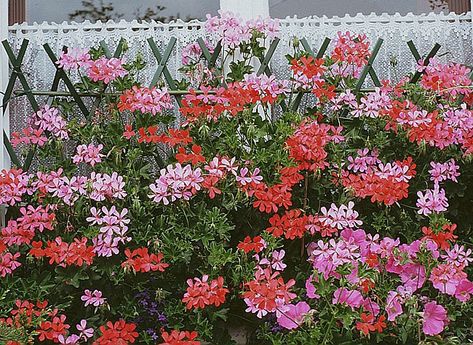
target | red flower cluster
[
  {"x": 118, "y": 333},
  {"x": 308, "y": 66},
  {"x": 387, "y": 186},
  {"x": 257, "y": 244},
  {"x": 200, "y": 293},
  {"x": 209, "y": 106},
  {"x": 51, "y": 330},
  {"x": 150, "y": 134},
  {"x": 351, "y": 48},
  {"x": 269, "y": 199},
  {"x": 307, "y": 144},
  {"x": 291, "y": 224},
  {"x": 267, "y": 291},
  {"x": 368, "y": 324},
  {"x": 63, "y": 253},
  {"x": 27, "y": 314},
  {"x": 193, "y": 156},
  {"x": 180, "y": 338},
  {"x": 141, "y": 261},
  {"x": 441, "y": 236}
]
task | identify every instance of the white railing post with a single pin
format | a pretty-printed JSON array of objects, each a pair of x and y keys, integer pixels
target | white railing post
[
  {"x": 247, "y": 9},
  {"x": 4, "y": 115},
  {"x": 4, "y": 125}
]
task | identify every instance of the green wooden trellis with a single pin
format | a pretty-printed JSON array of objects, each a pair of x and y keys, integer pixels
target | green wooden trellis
[{"x": 162, "y": 71}]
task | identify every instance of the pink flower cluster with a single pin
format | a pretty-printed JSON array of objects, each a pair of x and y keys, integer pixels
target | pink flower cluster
[
  {"x": 373, "y": 104},
  {"x": 49, "y": 120},
  {"x": 74, "y": 339},
  {"x": 106, "y": 69},
  {"x": 107, "y": 187},
  {"x": 113, "y": 228},
  {"x": 98, "y": 187},
  {"x": 74, "y": 58},
  {"x": 192, "y": 52},
  {"x": 176, "y": 182},
  {"x": 146, "y": 100},
  {"x": 233, "y": 30},
  {"x": 363, "y": 161},
  {"x": 89, "y": 154},
  {"x": 93, "y": 298},
  {"x": 444, "y": 171},
  {"x": 432, "y": 201},
  {"x": 363, "y": 253},
  {"x": 269, "y": 88},
  {"x": 13, "y": 185},
  {"x": 446, "y": 79},
  {"x": 23, "y": 229}
]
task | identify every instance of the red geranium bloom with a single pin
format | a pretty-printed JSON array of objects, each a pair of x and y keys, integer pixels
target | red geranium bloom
[
  {"x": 118, "y": 333},
  {"x": 180, "y": 338},
  {"x": 200, "y": 293},
  {"x": 442, "y": 237},
  {"x": 194, "y": 157},
  {"x": 141, "y": 261},
  {"x": 257, "y": 244},
  {"x": 291, "y": 225}
]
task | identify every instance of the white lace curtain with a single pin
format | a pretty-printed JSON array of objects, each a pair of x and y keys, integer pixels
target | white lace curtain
[{"x": 452, "y": 31}]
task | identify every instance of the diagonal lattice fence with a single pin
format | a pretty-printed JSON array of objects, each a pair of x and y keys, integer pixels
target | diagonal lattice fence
[{"x": 161, "y": 72}]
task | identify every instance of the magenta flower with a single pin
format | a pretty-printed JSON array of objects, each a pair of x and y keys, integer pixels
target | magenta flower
[
  {"x": 293, "y": 316},
  {"x": 393, "y": 305},
  {"x": 352, "y": 298},
  {"x": 310, "y": 288},
  {"x": 48, "y": 119},
  {"x": 70, "y": 340},
  {"x": 464, "y": 290},
  {"x": 435, "y": 318},
  {"x": 444, "y": 171}
]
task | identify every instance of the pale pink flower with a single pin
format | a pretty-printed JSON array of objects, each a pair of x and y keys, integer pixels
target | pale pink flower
[
  {"x": 93, "y": 298},
  {"x": 89, "y": 154},
  {"x": 74, "y": 58},
  {"x": 85, "y": 333},
  {"x": 432, "y": 201}
]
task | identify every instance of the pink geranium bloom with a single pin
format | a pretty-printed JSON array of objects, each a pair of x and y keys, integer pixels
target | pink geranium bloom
[
  {"x": 435, "y": 319},
  {"x": 294, "y": 315},
  {"x": 352, "y": 298},
  {"x": 393, "y": 305},
  {"x": 464, "y": 290},
  {"x": 85, "y": 333},
  {"x": 93, "y": 298},
  {"x": 310, "y": 288}
]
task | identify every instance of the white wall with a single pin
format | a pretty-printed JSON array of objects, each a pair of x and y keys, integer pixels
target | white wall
[{"x": 57, "y": 10}]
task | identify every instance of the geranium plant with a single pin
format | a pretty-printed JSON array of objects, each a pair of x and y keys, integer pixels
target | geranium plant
[{"x": 345, "y": 221}]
